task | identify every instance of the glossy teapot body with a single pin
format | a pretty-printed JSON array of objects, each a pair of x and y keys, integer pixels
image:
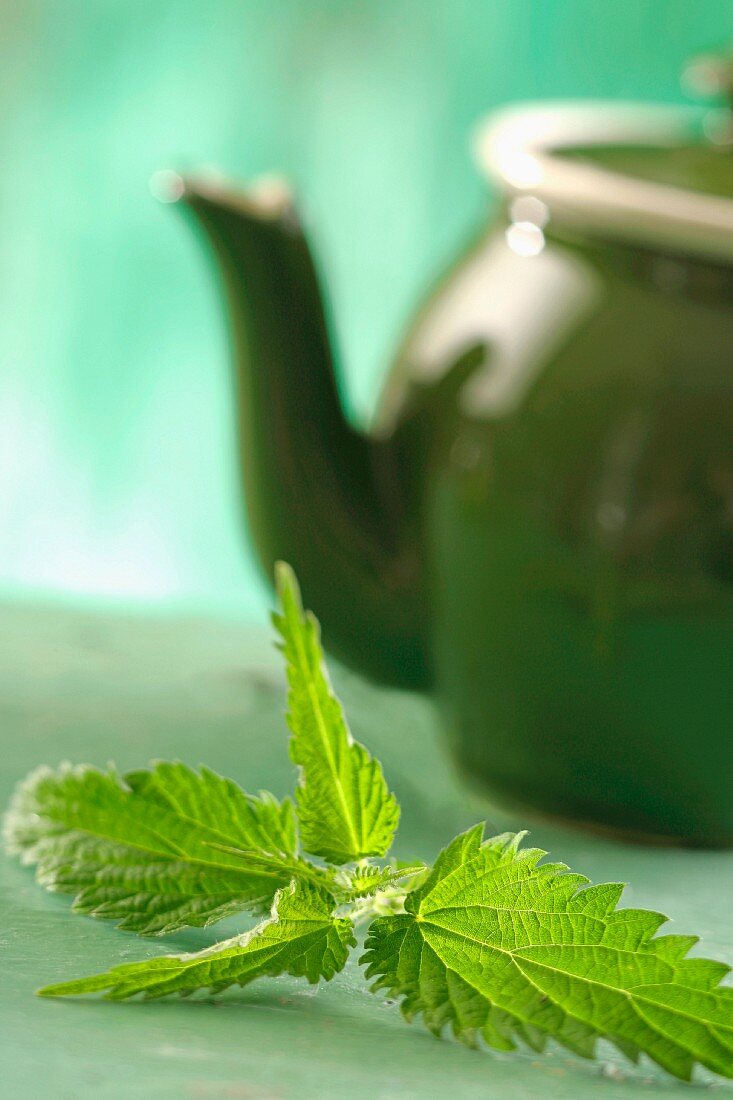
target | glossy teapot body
[{"x": 576, "y": 495}]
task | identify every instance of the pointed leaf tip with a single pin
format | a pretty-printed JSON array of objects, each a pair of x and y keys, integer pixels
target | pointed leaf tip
[
  {"x": 345, "y": 809},
  {"x": 286, "y": 583}
]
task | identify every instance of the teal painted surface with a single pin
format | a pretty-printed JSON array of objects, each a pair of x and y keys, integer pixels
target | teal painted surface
[
  {"x": 117, "y": 470},
  {"x": 92, "y": 687}
]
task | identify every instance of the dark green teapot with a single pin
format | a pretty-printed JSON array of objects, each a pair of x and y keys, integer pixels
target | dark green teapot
[{"x": 539, "y": 528}]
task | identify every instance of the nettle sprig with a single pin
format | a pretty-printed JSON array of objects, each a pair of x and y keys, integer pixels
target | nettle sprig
[{"x": 491, "y": 942}]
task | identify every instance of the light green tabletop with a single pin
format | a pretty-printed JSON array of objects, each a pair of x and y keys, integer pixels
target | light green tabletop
[{"x": 90, "y": 687}]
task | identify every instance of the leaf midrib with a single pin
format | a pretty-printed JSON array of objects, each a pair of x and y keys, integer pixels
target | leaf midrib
[
  {"x": 323, "y": 733},
  {"x": 179, "y": 854},
  {"x": 513, "y": 909}
]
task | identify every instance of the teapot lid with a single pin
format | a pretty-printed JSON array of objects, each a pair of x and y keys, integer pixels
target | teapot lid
[{"x": 654, "y": 174}]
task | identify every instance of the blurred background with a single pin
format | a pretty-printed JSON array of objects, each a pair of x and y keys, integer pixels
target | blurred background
[{"x": 117, "y": 472}]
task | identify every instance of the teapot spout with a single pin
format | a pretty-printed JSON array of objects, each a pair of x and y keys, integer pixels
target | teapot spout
[{"x": 319, "y": 494}]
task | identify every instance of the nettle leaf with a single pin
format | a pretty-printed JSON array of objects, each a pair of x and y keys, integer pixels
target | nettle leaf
[
  {"x": 143, "y": 849},
  {"x": 301, "y": 938},
  {"x": 345, "y": 809},
  {"x": 497, "y": 945}
]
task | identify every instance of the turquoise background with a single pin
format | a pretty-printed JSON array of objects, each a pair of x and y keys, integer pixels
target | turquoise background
[{"x": 116, "y": 439}]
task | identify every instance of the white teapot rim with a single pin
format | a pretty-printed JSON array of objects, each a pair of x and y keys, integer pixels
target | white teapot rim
[{"x": 519, "y": 149}]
